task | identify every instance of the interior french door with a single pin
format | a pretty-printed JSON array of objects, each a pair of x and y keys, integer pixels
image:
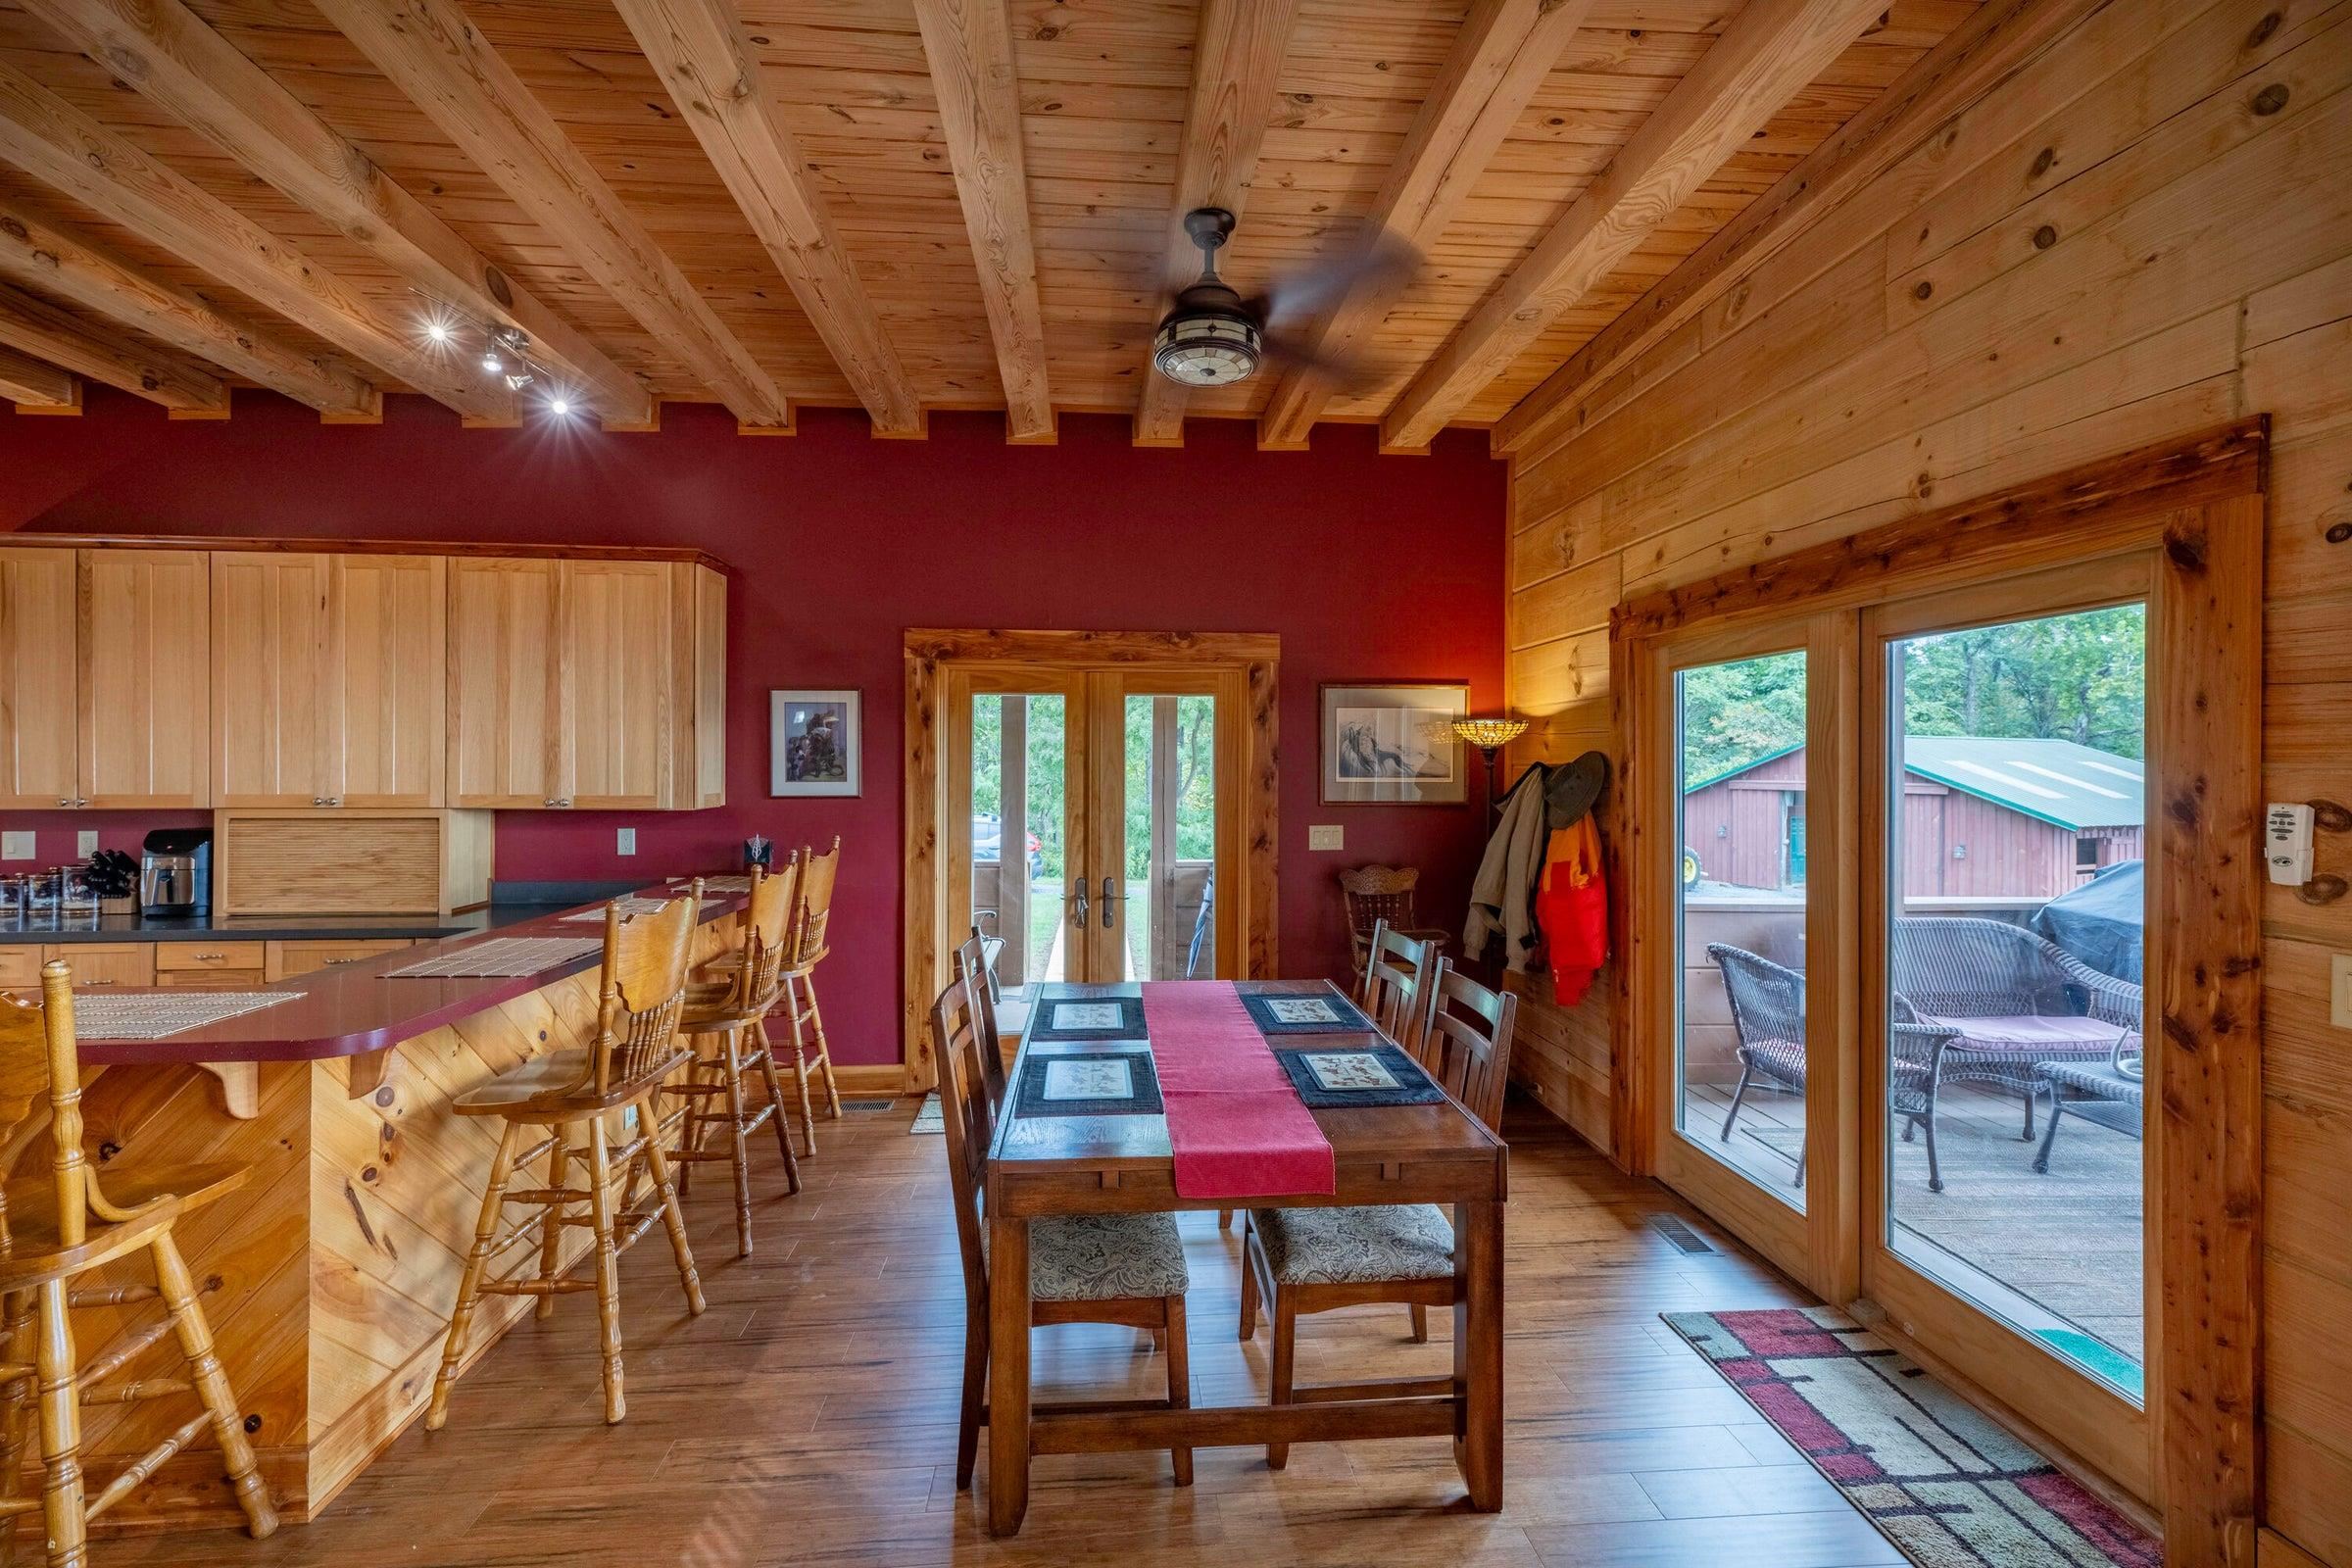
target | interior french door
[{"x": 1093, "y": 815}]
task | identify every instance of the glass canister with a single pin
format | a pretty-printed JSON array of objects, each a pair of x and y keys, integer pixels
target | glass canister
[
  {"x": 16, "y": 892},
  {"x": 40, "y": 902},
  {"x": 77, "y": 893}
]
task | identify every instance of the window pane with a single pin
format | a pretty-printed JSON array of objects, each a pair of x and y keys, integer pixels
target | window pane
[
  {"x": 1168, "y": 912},
  {"x": 1018, "y": 812},
  {"x": 2014, "y": 1171},
  {"x": 1740, "y": 917}
]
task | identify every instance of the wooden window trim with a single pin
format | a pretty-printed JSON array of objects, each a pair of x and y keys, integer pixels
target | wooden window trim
[
  {"x": 930, "y": 653},
  {"x": 2193, "y": 509}
]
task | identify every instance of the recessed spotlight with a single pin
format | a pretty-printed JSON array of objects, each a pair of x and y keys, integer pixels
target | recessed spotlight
[
  {"x": 561, "y": 406},
  {"x": 492, "y": 364},
  {"x": 436, "y": 331}
]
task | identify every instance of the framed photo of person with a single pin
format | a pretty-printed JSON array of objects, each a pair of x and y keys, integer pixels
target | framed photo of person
[
  {"x": 813, "y": 742},
  {"x": 1394, "y": 745}
]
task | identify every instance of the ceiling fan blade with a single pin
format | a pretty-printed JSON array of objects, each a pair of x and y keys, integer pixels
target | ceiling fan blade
[
  {"x": 1384, "y": 265},
  {"x": 1345, "y": 374}
]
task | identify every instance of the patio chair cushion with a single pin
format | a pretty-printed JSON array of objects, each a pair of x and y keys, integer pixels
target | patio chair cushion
[
  {"x": 1104, "y": 1258},
  {"x": 2051, "y": 1035},
  {"x": 1355, "y": 1245}
]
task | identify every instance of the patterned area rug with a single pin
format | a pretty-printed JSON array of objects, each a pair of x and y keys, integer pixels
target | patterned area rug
[
  {"x": 1946, "y": 1485},
  {"x": 929, "y": 1118}
]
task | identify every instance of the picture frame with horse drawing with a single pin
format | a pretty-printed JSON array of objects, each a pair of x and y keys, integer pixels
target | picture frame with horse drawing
[
  {"x": 813, "y": 742},
  {"x": 1394, "y": 745}
]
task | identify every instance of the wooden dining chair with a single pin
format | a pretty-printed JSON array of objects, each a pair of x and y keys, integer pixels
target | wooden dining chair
[
  {"x": 1374, "y": 895},
  {"x": 1393, "y": 988},
  {"x": 723, "y": 1011},
  {"x": 803, "y": 1024},
  {"x": 576, "y": 1094},
  {"x": 1306, "y": 1260},
  {"x": 975, "y": 967},
  {"x": 43, "y": 1251},
  {"x": 1083, "y": 1269}
]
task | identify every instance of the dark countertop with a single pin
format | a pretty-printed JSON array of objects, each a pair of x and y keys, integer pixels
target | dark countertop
[
  {"x": 352, "y": 1008},
  {"x": 510, "y": 903}
]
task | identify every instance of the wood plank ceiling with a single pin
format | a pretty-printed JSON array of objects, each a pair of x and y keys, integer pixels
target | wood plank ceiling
[{"x": 903, "y": 205}]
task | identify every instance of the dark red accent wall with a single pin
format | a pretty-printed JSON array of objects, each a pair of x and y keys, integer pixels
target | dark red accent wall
[{"x": 1369, "y": 568}]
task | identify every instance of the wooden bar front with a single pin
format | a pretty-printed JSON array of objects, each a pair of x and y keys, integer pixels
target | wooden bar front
[{"x": 330, "y": 1276}]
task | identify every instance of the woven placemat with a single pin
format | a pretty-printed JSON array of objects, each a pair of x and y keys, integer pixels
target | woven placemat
[
  {"x": 1087, "y": 1018},
  {"x": 1408, "y": 1083},
  {"x": 1090, "y": 1083},
  {"x": 1320, "y": 1012},
  {"x": 147, "y": 1017},
  {"x": 632, "y": 905},
  {"x": 717, "y": 884},
  {"x": 500, "y": 956}
]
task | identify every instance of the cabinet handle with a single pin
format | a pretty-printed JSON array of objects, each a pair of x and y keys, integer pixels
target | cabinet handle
[
  {"x": 334, "y": 800},
  {"x": 93, "y": 982},
  {"x": 318, "y": 799},
  {"x": 81, "y": 802},
  {"x": 65, "y": 799},
  {"x": 208, "y": 958}
]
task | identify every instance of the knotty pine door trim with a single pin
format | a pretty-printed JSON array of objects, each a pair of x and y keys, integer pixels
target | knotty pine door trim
[{"x": 2191, "y": 512}]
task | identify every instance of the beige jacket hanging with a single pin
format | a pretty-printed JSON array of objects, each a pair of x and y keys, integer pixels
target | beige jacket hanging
[{"x": 1502, "y": 898}]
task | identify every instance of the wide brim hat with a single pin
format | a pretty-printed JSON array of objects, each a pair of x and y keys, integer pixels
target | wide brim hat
[{"x": 1572, "y": 788}]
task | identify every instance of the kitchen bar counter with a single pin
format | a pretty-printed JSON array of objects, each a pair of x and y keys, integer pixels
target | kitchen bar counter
[{"x": 329, "y": 1275}]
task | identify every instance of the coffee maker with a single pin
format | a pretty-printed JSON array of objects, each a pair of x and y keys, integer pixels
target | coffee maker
[{"x": 176, "y": 872}]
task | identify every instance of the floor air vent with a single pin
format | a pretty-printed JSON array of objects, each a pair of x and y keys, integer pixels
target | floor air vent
[
  {"x": 867, "y": 1104},
  {"x": 1681, "y": 1234}
]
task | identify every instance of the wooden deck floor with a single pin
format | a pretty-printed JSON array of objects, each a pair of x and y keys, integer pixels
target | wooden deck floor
[{"x": 809, "y": 1417}]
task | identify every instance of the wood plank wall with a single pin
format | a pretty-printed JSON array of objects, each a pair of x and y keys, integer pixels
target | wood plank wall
[{"x": 2145, "y": 232}]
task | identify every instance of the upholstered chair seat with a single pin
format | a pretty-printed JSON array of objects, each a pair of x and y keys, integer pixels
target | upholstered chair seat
[
  {"x": 1355, "y": 1245},
  {"x": 1104, "y": 1258}
]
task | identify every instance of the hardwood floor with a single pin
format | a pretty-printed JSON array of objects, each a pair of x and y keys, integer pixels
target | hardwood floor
[{"x": 809, "y": 1416}]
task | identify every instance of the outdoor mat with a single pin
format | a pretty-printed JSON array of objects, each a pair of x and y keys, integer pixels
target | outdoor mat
[
  {"x": 1090, "y": 1083},
  {"x": 1087, "y": 1018},
  {"x": 929, "y": 1118},
  {"x": 1327, "y": 1014},
  {"x": 1337, "y": 1076},
  {"x": 1943, "y": 1481}
]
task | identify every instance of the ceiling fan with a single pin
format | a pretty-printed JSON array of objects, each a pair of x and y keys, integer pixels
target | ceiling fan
[{"x": 1212, "y": 336}]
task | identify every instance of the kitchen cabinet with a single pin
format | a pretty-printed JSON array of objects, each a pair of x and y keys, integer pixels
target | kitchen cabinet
[
  {"x": 104, "y": 678},
  {"x": 105, "y": 964},
  {"x": 146, "y": 678},
  {"x": 587, "y": 684},
  {"x": 209, "y": 966},
  {"x": 327, "y": 679},
  {"x": 39, "y": 713},
  {"x": 287, "y": 959}
]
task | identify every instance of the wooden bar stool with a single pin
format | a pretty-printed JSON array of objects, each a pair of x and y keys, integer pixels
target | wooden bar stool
[
  {"x": 574, "y": 1092},
  {"x": 722, "y": 1011},
  {"x": 803, "y": 1025},
  {"x": 42, "y": 1255}
]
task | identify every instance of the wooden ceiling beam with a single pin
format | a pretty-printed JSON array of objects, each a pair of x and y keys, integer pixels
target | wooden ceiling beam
[
  {"x": 56, "y": 143},
  {"x": 1993, "y": 41},
  {"x": 35, "y": 386},
  {"x": 1236, "y": 56},
  {"x": 978, "y": 81},
  {"x": 431, "y": 51},
  {"x": 1770, "y": 51},
  {"x": 173, "y": 58},
  {"x": 58, "y": 263},
  {"x": 704, "y": 59},
  {"x": 1503, "y": 52},
  {"x": 32, "y": 325}
]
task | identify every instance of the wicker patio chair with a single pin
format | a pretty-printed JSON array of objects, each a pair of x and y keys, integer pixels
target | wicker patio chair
[
  {"x": 1768, "y": 1010},
  {"x": 2011, "y": 997},
  {"x": 2108, "y": 1094}
]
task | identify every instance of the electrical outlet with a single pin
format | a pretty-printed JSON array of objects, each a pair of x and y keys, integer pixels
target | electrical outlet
[
  {"x": 2339, "y": 989},
  {"x": 15, "y": 846},
  {"x": 628, "y": 842},
  {"x": 1326, "y": 836},
  {"x": 85, "y": 843}
]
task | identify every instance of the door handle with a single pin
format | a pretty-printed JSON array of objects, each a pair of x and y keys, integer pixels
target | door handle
[
  {"x": 1109, "y": 898},
  {"x": 1078, "y": 893}
]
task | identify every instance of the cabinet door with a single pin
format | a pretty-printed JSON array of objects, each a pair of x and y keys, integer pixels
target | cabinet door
[
  {"x": 388, "y": 627},
  {"x": 709, "y": 749},
  {"x": 504, "y": 683},
  {"x": 38, "y": 676},
  {"x": 272, "y": 703},
  {"x": 146, "y": 720},
  {"x": 616, "y": 657}
]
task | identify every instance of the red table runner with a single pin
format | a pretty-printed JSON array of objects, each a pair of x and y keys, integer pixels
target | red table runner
[{"x": 1236, "y": 1124}]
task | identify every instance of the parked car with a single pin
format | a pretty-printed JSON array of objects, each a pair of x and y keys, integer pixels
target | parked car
[{"x": 988, "y": 842}]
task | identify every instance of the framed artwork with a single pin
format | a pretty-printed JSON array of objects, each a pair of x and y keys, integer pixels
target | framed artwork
[
  {"x": 813, "y": 741},
  {"x": 1394, "y": 745}
]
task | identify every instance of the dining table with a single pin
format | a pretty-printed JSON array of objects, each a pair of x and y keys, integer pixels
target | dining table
[{"x": 1042, "y": 1163}]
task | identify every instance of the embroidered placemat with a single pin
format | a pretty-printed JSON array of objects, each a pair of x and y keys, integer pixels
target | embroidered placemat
[
  {"x": 719, "y": 884},
  {"x": 1087, "y": 1018},
  {"x": 147, "y": 1017},
  {"x": 1332, "y": 1077},
  {"x": 500, "y": 956},
  {"x": 1090, "y": 1083},
  {"x": 632, "y": 904},
  {"x": 1324, "y": 1013}
]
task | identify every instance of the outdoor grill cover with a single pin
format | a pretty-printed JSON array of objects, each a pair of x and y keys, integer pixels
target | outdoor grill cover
[{"x": 2100, "y": 921}]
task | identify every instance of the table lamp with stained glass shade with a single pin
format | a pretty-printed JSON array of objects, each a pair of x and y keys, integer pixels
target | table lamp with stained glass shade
[{"x": 1491, "y": 735}]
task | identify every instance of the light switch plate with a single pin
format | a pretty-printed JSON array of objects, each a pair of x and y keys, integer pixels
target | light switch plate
[
  {"x": 85, "y": 843},
  {"x": 2339, "y": 989},
  {"x": 628, "y": 842},
  {"x": 15, "y": 846},
  {"x": 1326, "y": 836}
]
